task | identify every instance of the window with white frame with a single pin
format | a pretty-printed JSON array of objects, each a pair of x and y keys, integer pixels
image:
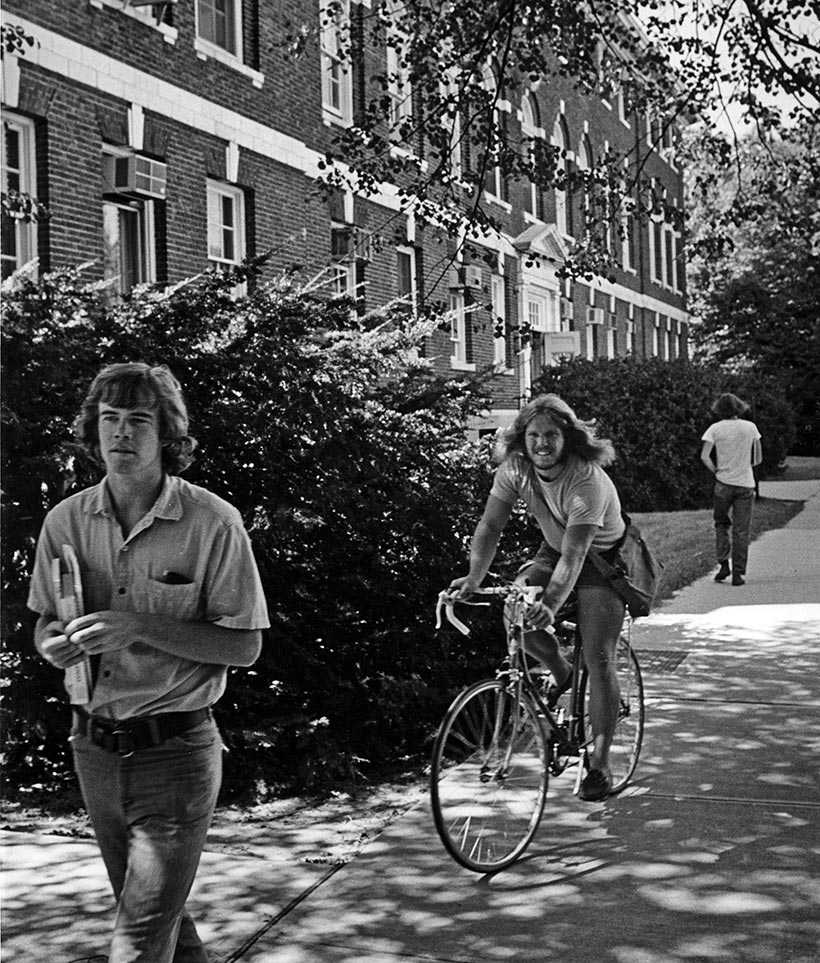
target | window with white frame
[
  {"x": 499, "y": 309},
  {"x": 451, "y": 121},
  {"x": 628, "y": 230},
  {"x": 337, "y": 79},
  {"x": 495, "y": 182},
  {"x": 343, "y": 265},
  {"x": 406, "y": 277},
  {"x": 219, "y": 23},
  {"x": 530, "y": 130},
  {"x": 584, "y": 164},
  {"x": 559, "y": 141},
  {"x": 655, "y": 337},
  {"x": 226, "y": 224},
  {"x": 458, "y": 329},
  {"x": 19, "y": 236},
  {"x": 129, "y": 243},
  {"x": 399, "y": 88}
]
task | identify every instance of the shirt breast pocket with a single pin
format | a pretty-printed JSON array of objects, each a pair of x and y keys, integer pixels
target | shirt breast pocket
[{"x": 178, "y": 601}]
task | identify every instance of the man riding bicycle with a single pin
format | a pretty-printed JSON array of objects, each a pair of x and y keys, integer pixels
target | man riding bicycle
[{"x": 553, "y": 462}]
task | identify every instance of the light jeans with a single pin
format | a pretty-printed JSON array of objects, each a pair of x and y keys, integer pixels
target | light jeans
[
  {"x": 733, "y": 524},
  {"x": 150, "y": 812}
]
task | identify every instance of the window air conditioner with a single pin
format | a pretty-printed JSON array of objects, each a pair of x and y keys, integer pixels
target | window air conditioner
[
  {"x": 595, "y": 315},
  {"x": 454, "y": 278},
  {"x": 566, "y": 308},
  {"x": 472, "y": 276},
  {"x": 134, "y": 174}
]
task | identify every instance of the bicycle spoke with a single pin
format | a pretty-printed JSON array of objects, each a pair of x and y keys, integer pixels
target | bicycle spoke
[{"x": 489, "y": 777}]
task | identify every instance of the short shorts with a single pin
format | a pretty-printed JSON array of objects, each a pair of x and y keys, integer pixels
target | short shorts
[{"x": 539, "y": 569}]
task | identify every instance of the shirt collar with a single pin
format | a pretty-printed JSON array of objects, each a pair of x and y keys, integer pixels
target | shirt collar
[{"x": 168, "y": 504}]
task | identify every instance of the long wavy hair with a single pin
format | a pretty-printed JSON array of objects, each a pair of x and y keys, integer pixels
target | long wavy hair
[
  {"x": 579, "y": 436},
  {"x": 131, "y": 385}
]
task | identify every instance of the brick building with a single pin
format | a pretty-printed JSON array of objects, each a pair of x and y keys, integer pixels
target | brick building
[{"x": 168, "y": 137}]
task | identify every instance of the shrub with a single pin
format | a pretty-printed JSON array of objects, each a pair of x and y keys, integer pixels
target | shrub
[
  {"x": 655, "y": 412},
  {"x": 348, "y": 462}
]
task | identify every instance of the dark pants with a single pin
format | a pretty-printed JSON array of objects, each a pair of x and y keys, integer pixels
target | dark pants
[
  {"x": 151, "y": 812},
  {"x": 733, "y": 524}
]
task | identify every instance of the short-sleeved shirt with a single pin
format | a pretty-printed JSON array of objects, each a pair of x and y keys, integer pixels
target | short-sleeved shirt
[
  {"x": 734, "y": 440},
  {"x": 583, "y": 494},
  {"x": 189, "y": 558}
]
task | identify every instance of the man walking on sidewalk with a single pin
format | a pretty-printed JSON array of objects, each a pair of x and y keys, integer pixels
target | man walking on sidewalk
[
  {"x": 172, "y": 598},
  {"x": 736, "y": 445}
]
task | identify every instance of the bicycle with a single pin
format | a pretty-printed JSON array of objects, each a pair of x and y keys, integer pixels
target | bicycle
[{"x": 503, "y": 737}]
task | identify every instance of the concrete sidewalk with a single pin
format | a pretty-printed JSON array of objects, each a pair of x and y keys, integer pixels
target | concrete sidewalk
[{"x": 712, "y": 854}]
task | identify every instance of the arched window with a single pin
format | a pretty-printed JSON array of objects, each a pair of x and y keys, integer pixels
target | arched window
[
  {"x": 494, "y": 184},
  {"x": 530, "y": 130},
  {"x": 584, "y": 164},
  {"x": 559, "y": 140}
]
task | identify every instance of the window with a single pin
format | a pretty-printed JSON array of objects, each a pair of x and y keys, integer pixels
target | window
[
  {"x": 495, "y": 182},
  {"x": 399, "y": 89},
  {"x": 458, "y": 330},
  {"x": 530, "y": 130},
  {"x": 337, "y": 84},
  {"x": 628, "y": 230},
  {"x": 226, "y": 224},
  {"x": 584, "y": 164},
  {"x": 129, "y": 244},
  {"x": 499, "y": 309},
  {"x": 343, "y": 266},
  {"x": 406, "y": 277},
  {"x": 559, "y": 140},
  {"x": 219, "y": 22},
  {"x": 451, "y": 121},
  {"x": 19, "y": 244}
]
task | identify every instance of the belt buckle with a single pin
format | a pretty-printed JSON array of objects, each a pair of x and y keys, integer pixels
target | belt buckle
[{"x": 119, "y": 735}]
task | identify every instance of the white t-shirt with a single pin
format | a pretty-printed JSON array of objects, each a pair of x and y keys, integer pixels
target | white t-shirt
[
  {"x": 583, "y": 494},
  {"x": 734, "y": 440}
]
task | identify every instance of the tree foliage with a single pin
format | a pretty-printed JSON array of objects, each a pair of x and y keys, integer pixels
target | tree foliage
[
  {"x": 431, "y": 120},
  {"x": 754, "y": 266},
  {"x": 655, "y": 412}
]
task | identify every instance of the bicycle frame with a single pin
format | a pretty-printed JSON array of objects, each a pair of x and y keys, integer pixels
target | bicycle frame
[{"x": 518, "y": 598}]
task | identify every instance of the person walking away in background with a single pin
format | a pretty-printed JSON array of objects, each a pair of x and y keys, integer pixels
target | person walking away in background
[
  {"x": 173, "y": 597},
  {"x": 735, "y": 443},
  {"x": 554, "y": 463}
]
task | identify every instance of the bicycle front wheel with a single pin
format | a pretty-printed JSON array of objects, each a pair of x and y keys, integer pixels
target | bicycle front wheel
[
  {"x": 488, "y": 781},
  {"x": 628, "y": 737}
]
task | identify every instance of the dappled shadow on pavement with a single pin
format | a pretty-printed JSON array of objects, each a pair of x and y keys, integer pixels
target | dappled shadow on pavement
[
  {"x": 58, "y": 906},
  {"x": 638, "y": 879},
  {"x": 711, "y": 854}
]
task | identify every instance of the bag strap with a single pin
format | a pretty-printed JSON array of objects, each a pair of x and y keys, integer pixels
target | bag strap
[{"x": 608, "y": 571}]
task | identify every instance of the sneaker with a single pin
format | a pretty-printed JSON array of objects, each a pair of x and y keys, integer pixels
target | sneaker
[
  {"x": 738, "y": 579},
  {"x": 723, "y": 572},
  {"x": 595, "y": 786}
]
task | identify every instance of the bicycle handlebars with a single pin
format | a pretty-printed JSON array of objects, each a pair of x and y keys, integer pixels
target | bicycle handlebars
[{"x": 446, "y": 602}]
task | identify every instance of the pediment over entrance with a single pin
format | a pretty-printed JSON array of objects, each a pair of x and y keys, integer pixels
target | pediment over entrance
[{"x": 542, "y": 241}]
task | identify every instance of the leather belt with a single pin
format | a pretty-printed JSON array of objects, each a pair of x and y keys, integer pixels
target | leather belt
[{"x": 127, "y": 736}]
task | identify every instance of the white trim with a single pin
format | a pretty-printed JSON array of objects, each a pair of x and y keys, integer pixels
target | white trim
[
  {"x": 74, "y": 61},
  {"x": 25, "y": 234},
  {"x": 136, "y": 126},
  {"x": 211, "y": 51}
]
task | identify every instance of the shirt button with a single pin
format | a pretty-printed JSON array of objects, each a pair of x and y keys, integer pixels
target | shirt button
[
  {"x": 107, "y": 674},
  {"x": 121, "y": 591}
]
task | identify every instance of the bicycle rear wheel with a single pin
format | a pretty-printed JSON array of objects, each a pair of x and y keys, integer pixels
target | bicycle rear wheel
[
  {"x": 488, "y": 780},
  {"x": 626, "y": 743}
]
